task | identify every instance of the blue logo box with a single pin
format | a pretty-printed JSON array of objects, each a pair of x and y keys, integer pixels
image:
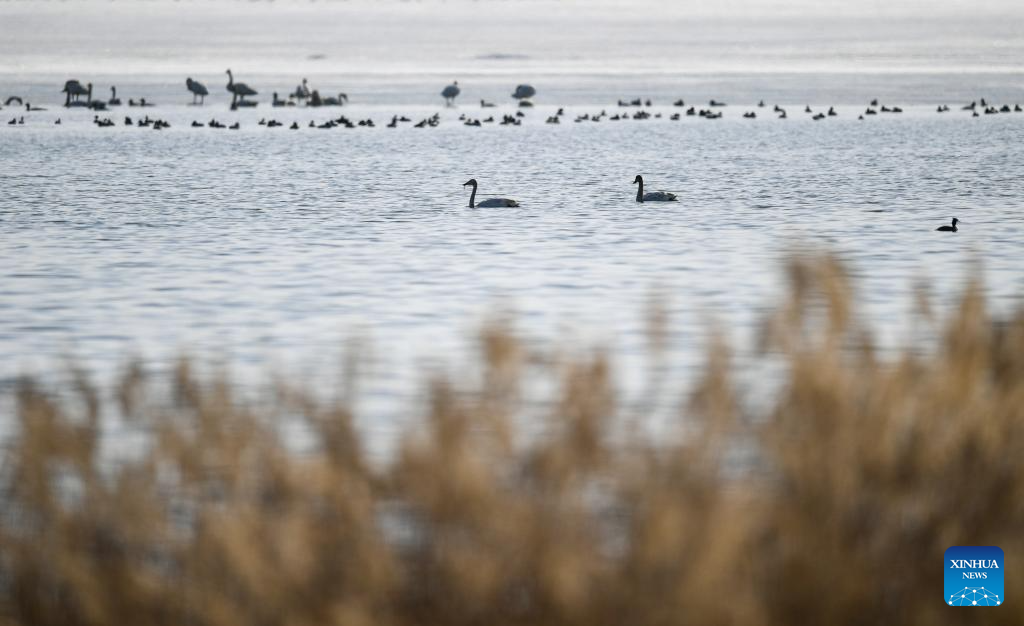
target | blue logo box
[{"x": 974, "y": 576}]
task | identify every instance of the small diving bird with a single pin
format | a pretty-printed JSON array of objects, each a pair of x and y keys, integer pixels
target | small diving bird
[
  {"x": 450, "y": 92},
  {"x": 949, "y": 229},
  {"x": 653, "y": 196},
  {"x": 198, "y": 90},
  {"x": 490, "y": 202}
]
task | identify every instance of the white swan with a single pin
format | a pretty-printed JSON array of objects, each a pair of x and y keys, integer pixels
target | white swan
[
  {"x": 450, "y": 92},
  {"x": 490, "y": 202},
  {"x": 653, "y": 196}
]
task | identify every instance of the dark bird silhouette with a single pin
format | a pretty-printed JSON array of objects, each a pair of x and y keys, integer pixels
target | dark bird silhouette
[
  {"x": 199, "y": 90},
  {"x": 653, "y": 196},
  {"x": 490, "y": 202},
  {"x": 75, "y": 91},
  {"x": 239, "y": 91}
]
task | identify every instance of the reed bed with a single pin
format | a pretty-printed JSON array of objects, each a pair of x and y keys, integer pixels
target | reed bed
[{"x": 830, "y": 504}]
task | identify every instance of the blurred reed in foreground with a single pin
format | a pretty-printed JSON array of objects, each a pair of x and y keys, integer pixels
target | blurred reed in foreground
[{"x": 832, "y": 504}]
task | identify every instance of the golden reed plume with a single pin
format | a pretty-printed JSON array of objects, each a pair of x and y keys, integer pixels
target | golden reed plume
[{"x": 526, "y": 496}]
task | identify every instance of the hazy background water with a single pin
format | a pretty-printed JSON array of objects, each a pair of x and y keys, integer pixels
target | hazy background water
[{"x": 268, "y": 248}]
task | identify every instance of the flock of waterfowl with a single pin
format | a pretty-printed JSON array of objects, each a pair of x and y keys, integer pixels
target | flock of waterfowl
[
  {"x": 651, "y": 196},
  {"x": 303, "y": 96},
  {"x": 78, "y": 94}
]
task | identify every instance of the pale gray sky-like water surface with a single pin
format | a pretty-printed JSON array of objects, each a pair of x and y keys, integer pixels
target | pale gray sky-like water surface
[{"x": 268, "y": 248}]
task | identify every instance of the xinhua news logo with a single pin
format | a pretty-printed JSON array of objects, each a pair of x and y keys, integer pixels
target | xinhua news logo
[{"x": 974, "y": 576}]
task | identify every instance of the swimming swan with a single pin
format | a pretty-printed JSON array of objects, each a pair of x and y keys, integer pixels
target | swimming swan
[
  {"x": 490, "y": 202},
  {"x": 654, "y": 196},
  {"x": 949, "y": 229}
]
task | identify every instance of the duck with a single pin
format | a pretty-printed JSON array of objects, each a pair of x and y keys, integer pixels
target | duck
[
  {"x": 949, "y": 229},
  {"x": 489, "y": 202},
  {"x": 653, "y": 196}
]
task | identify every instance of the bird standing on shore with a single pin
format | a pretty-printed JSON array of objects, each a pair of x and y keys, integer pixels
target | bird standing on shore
[
  {"x": 239, "y": 91},
  {"x": 74, "y": 91},
  {"x": 450, "y": 92},
  {"x": 198, "y": 90}
]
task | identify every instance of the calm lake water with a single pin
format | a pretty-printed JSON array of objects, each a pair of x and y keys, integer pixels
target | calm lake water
[{"x": 268, "y": 249}]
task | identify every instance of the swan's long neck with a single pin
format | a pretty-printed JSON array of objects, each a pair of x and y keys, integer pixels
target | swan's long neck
[
  {"x": 231, "y": 79},
  {"x": 113, "y": 92},
  {"x": 640, "y": 190},
  {"x": 472, "y": 197}
]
